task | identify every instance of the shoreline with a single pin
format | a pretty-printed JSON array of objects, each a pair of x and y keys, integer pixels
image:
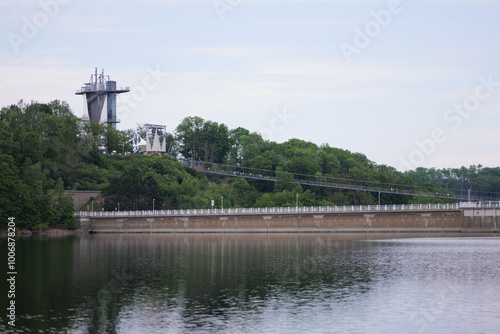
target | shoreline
[
  {"x": 51, "y": 232},
  {"x": 408, "y": 231}
]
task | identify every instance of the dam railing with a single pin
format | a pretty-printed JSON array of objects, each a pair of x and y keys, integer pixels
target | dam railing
[{"x": 291, "y": 210}]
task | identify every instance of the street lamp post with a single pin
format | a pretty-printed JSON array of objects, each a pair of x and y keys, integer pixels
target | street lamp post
[
  {"x": 222, "y": 203},
  {"x": 297, "y": 202},
  {"x": 118, "y": 206},
  {"x": 153, "y": 206}
]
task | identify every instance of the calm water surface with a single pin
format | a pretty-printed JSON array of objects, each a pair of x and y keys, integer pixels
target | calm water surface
[{"x": 255, "y": 283}]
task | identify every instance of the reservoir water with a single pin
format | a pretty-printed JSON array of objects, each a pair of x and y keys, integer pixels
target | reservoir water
[{"x": 254, "y": 283}]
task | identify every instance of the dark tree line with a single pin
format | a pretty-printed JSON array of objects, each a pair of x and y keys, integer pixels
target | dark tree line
[{"x": 133, "y": 191}]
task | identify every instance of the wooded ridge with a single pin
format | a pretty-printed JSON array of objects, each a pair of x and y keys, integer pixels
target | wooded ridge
[{"x": 45, "y": 149}]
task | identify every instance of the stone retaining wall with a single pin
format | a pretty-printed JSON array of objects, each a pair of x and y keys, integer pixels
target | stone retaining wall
[{"x": 81, "y": 197}]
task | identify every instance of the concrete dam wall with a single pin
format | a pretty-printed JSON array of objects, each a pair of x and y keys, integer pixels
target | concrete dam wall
[{"x": 416, "y": 221}]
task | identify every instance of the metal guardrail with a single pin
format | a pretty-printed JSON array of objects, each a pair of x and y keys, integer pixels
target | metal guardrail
[{"x": 288, "y": 210}]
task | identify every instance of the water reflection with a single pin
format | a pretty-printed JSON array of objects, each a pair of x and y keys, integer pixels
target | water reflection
[{"x": 240, "y": 283}]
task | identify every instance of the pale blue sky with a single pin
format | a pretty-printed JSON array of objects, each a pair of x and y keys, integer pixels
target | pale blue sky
[{"x": 277, "y": 67}]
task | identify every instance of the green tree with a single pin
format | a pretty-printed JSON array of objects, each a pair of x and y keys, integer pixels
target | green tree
[
  {"x": 62, "y": 208},
  {"x": 128, "y": 190},
  {"x": 215, "y": 142},
  {"x": 189, "y": 137},
  {"x": 261, "y": 163},
  {"x": 153, "y": 191},
  {"x": 266, "y": 201},
  {"x": 252, "y": 146},
  {"x": 117, "y": 141},
  {"x": 245, "y": 195},
  {"x": 10, "y": 190},
  {"x": 235, "y": 155},
  {"x": 283, "y": 181}
]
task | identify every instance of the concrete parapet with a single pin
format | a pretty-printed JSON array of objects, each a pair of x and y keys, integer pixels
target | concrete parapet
[{"x": 414, "y": 221}]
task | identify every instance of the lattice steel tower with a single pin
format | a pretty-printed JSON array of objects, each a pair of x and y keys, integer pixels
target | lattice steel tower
[{"x": 99, "y": 95}]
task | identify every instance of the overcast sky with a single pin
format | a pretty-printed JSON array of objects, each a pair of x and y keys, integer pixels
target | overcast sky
[{"x": 407, "y": 83}]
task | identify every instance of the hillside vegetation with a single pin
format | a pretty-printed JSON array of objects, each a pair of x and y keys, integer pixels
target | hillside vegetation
[{"x": 45, "y": 149}]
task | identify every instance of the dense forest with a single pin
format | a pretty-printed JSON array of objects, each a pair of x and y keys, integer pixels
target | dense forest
[{"x": 45, "y": 149}]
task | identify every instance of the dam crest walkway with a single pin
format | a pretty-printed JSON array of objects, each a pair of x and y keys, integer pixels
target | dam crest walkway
[{"x": 291, "y": 210}]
